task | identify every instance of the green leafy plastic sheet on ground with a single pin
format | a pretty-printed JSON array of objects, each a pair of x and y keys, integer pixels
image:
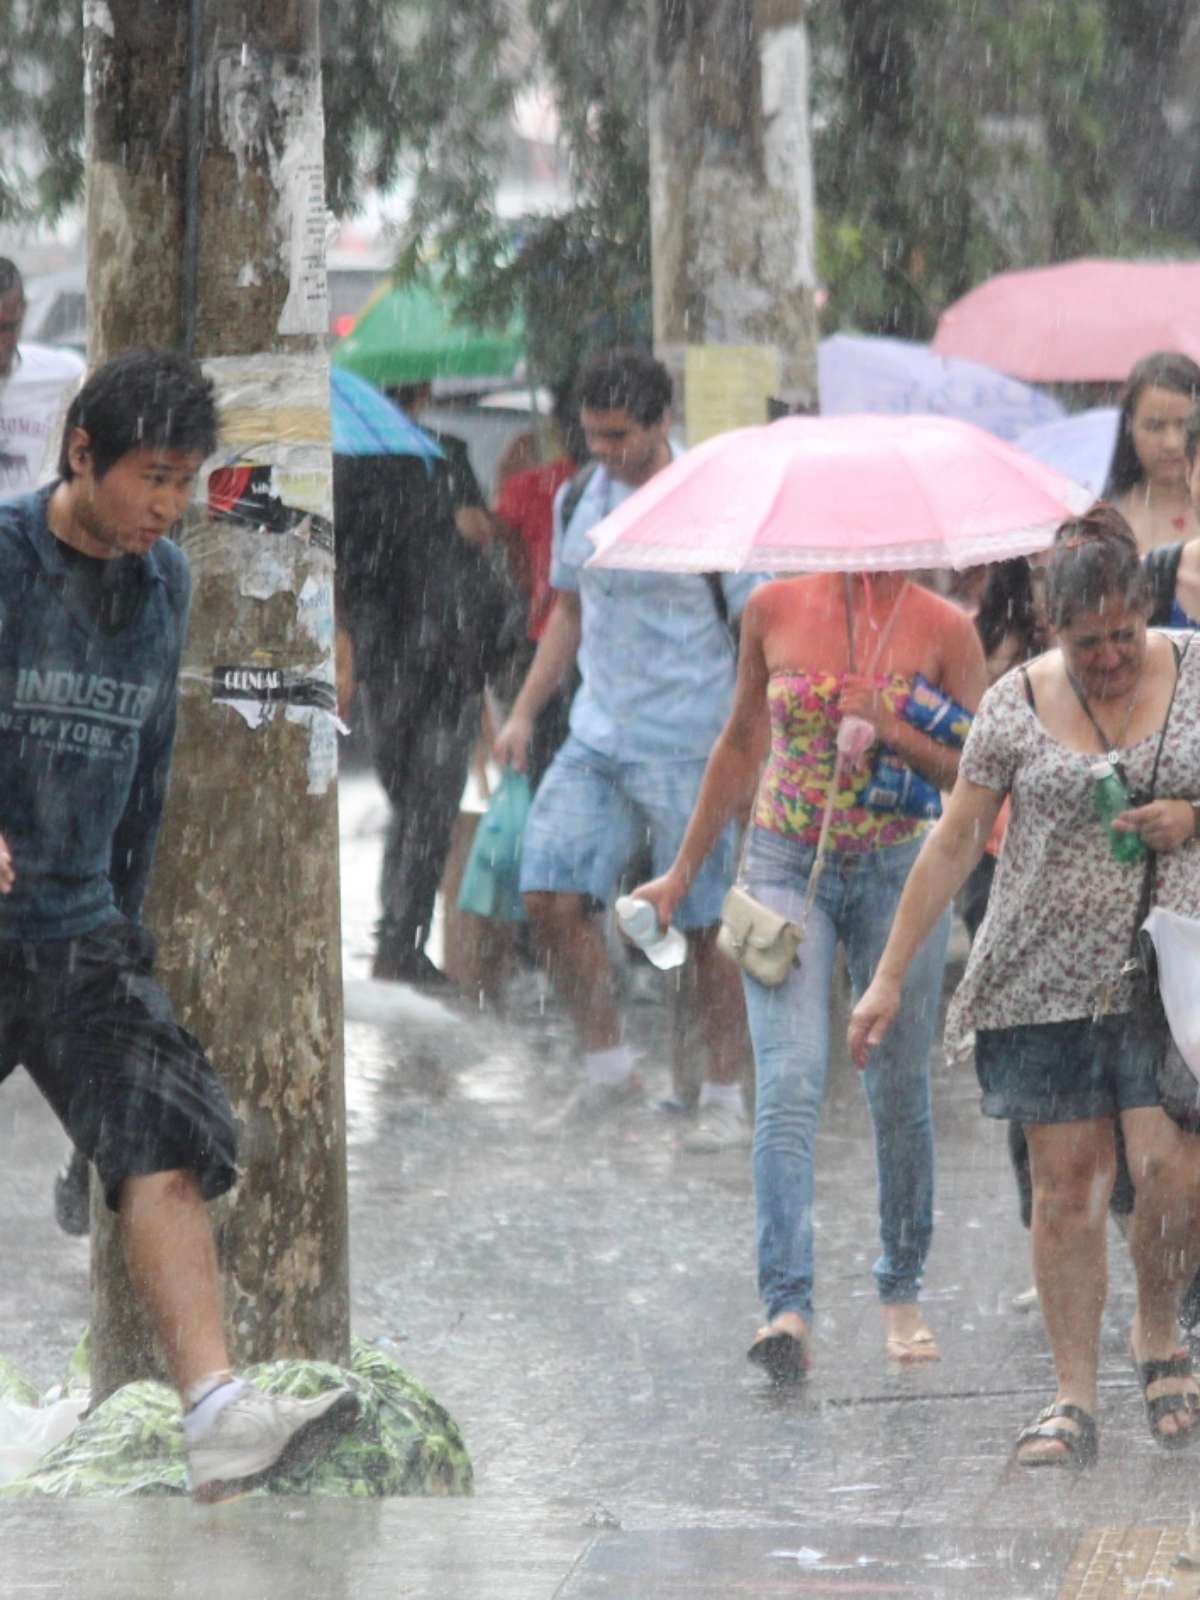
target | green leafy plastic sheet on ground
[
  {"x": 403, "y": 1443},
  {"x": 15, "y": 1387}
]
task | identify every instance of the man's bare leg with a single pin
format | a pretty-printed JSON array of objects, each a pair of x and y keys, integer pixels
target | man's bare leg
[
  {"x": 580, "y": 968},
  {"x": 724, "y": 1040},
  {"x": 577, "y": 961},
  {"x": 173, "y": 1268},
  {"x": 233, "y": 1434},
  {"x": 722, "y": 1008}
]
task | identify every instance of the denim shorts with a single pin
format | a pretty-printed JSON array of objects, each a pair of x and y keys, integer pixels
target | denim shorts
[
  {"x": 95, "y": 1031},
  {"x": 591, "y": 815},
  {"x": 1068, "y": 1071}
]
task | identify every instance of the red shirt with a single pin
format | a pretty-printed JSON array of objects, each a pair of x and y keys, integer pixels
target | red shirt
[{"x": 526, "y": 502}]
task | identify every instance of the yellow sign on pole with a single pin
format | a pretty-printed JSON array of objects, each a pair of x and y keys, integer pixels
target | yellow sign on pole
[{"x": 727, "y": 386}]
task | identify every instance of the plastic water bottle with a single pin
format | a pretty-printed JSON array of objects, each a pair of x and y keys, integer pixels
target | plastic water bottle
[
  {"x": 1109, "y": 798},
  {"x": 666, "y": 948}
]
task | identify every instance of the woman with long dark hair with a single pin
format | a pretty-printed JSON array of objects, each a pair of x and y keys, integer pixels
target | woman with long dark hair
[{"x": 1147, "y": 481}]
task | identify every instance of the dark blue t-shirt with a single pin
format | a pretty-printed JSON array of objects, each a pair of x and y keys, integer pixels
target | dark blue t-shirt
[{"x": 87, "y": 721}]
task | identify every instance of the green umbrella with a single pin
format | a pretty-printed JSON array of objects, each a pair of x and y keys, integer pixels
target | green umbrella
[{"x": 406, "y": 333}]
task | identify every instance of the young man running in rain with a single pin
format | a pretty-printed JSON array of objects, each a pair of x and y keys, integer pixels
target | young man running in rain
[
  {"x": 657, "y": 664},
  {"x": 93, "y": 610}
]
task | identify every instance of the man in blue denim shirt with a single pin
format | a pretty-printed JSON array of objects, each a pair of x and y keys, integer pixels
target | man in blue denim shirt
[
  {"x": 657, "y": 663},
  {"x": 93, "y": 611}
]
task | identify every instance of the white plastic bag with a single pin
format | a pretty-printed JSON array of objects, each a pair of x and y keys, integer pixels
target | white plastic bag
[
  {"x": 27, "y": 1433},
  {"x": 1177, "y": 946}
]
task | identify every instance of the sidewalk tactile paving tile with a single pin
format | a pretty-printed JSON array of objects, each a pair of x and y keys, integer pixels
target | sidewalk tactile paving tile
[{"x": 1134, "y": 1563}]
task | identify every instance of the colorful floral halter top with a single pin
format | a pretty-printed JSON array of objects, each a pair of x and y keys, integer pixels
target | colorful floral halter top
[{"x": 791, "y": 798}]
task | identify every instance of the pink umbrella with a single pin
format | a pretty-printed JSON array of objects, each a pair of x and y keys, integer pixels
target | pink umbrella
[
  {"x": 860, "y": 493},
  {"x": 1079, "y": 322}
]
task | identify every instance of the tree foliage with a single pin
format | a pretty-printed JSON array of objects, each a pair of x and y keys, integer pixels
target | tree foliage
[
  {"x": 41, "y": 107},
  {"x": 582, "y": 277},
  {"x": 978, "y": 138},
  {"x": 952, "y": 138}
]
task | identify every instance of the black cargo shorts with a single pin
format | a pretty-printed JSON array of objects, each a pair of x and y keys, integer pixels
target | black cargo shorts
[{"x": 95, "y": 1031}]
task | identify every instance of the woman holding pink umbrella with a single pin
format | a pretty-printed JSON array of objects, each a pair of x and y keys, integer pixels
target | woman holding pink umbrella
[
  {"x": 850, "y": 683},
  {"x": 821, "y": 657}
]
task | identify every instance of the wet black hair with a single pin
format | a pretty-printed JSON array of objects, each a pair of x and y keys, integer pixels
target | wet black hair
[
  {"x": 10, "y": 278},
  {"x": 1191, "y": 435},
  {"x": 1095, "y": 558},
  {"x": 408, "y": 394},
  {"x": 1009, "y": 605},
  {"x": 142, "y": 397},
  {"x": 565, "y": 412},
  {"x": 626, "y": 380},
  {"x": 1165, "y": 369}
]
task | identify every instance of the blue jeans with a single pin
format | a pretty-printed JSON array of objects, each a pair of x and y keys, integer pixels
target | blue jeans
[{"x": 789, "y": 1028}]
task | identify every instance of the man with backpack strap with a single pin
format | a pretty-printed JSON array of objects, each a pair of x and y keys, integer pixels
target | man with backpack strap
[{"x": 657, "y": 663}]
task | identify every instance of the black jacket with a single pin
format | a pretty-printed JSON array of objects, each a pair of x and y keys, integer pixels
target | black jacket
[{"x": 423, "y": 605}]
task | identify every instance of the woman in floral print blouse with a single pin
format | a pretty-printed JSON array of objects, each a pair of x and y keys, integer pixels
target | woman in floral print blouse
[{"x": 1060, "y": 1043}]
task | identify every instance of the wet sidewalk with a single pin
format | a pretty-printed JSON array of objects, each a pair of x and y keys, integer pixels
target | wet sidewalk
[{"x": 582, "y": 1306}]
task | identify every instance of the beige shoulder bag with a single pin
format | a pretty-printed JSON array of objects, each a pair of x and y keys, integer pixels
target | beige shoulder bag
[{"x": 765, "y": 944}]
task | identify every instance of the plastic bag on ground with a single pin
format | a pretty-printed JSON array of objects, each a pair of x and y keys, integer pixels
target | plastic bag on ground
[
  {"x": 404, "y": 1443},
  {"x": 27, "y": 1433},
  {"x": 15, "y": 1388},
  {"x": 30, "y": 1425}
]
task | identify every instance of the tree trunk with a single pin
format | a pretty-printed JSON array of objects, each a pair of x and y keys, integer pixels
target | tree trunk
[
  {"x": 731, "y": 190},
  {"x": 245, "y": 894}
]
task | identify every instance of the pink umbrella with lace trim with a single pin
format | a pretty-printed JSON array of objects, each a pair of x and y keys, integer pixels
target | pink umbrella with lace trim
[
  {"x": 841, "y": 494},
  {"x": 1082, "y": 321}
]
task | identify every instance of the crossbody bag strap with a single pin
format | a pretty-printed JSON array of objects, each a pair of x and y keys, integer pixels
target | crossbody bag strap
[
  {"x": 574, "y": 493},
  {"x": 1162, "y": 568},
  {"x": 881, "y": 642},
  {"x": 1146, "y": 898},
  {"x": 814, "y": 877},
  {"x": 1105, "y": 742}
]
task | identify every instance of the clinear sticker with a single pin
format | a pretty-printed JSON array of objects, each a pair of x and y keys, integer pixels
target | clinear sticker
[{"x": 273, "y": 686}]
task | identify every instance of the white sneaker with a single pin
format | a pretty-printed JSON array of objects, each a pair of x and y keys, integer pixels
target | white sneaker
[
  {"x": 591, "y": 1103},
  {"x": 718, "y": 1128},
  {"x": 258, "y": 1435},
  {"x": 1026, "y": 1300}
]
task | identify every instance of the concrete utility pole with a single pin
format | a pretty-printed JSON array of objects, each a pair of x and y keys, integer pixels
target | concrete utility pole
[
  {"x": 731, "y": 190},
  {"x": 206, "y": 232}
]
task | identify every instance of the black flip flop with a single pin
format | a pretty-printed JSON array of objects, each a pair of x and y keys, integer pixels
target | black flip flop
[{"x": 782, "y": 1356}]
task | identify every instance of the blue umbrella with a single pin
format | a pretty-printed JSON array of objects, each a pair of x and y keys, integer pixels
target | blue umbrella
[
  {"x": 864, "y": 373},
  {"x": 1080, "y": 446},
  {"x": 367, "y": 423}
]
